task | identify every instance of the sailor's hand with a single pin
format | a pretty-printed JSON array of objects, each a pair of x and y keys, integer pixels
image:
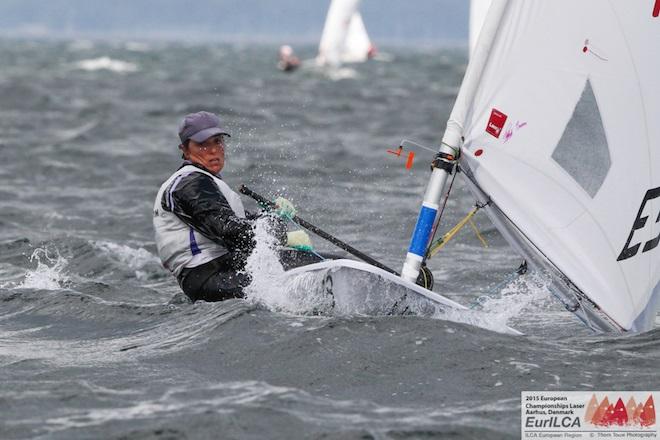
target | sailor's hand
[
  {"x": 284, "y": 208},
  {"x": 299, "y": 240}
]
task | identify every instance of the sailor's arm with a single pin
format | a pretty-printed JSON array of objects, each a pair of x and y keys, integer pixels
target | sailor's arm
[{"x": 198, "y": 202}]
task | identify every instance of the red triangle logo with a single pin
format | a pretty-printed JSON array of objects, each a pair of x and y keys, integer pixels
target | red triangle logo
[
  {"x": 647, "y": 417},
  {"x": 601, "y": 412},
  {"x": 620, "y": 415}
]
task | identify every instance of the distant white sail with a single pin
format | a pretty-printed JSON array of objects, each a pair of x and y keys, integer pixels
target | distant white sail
[
  {"x": 344, "y": 38},
  {"x": 478, "y": 11},
  {"x": 562, "y": 139},
  {"x": 357, "y": 45}
]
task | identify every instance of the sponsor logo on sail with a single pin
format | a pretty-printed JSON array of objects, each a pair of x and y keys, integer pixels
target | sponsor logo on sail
[
  {"x": 632, "y": 246},
  {"x": 496, "y": 123}
]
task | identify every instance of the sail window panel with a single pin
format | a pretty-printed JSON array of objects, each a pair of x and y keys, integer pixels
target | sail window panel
[{"x": 583, "y": 151}]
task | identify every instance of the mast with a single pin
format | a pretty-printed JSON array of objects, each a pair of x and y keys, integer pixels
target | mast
[{"x": 452, "y": 140}]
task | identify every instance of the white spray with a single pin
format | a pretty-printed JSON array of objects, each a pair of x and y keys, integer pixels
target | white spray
[
  {"x": 272, "y": 287},
  {"x": 49, "y": 272}
]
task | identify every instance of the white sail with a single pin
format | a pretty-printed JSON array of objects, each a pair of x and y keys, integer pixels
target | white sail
[
  {"x": 344, "y": 38},
  {"x": 478, "y": 11},
  {"x": 358, "y": 44},
  {"x": 562, "y": 138}
]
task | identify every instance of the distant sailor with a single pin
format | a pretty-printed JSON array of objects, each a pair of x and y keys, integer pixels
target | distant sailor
[
  {"x": 203, "y": 233},
  {"x": 372, "y": 52},
  {"x": 288, "y": 61}
]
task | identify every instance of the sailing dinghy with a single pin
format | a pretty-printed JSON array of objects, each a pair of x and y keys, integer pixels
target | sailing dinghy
[
  {"x": 556, "y": 130},
  {"x": 349, "y": 287},
  {"x": 559, "y": 142},
  {"x": 344, "y": 38}
]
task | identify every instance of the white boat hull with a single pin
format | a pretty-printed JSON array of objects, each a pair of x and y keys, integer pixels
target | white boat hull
[{"x": 353, "y": 287}]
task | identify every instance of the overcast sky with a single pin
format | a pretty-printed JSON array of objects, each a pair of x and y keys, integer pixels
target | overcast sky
[{"x": 392, "y": 21}]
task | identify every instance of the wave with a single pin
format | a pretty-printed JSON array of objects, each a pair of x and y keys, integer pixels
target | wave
[
  {"x": 138, "y": 259},
  {"x": 63, "y": 327},
  {"x": 106, "y": 63},
  {"x": 303, "y": 412},
  {"x": 127, "y": 274}
]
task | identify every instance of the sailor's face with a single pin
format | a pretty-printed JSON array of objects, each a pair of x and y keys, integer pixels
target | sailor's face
[{"x": 210, "y": 154}]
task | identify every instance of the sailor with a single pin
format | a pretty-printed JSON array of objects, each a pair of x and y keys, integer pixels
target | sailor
[
  {"x": 372, "y": 52},
  {"x": 203, "y": 233},
  {"x": 288, "y": 62}
]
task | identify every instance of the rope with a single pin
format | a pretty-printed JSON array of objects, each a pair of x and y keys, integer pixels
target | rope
[
  {"x": 312, "y": 251},
  {"x": 437, "y": 223},
  {"x": 435, "y": 248},
  {"x": 495, "y": 291},
  {"x": 454, "y": 149},
  {"x": 479, "y": 236}
]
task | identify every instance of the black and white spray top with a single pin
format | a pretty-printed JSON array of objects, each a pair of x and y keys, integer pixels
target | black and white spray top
[{"x": 198, "y": 218}]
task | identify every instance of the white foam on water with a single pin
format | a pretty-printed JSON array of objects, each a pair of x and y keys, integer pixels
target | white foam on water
[
  {"x": 49, "y": 274},
  {"x": 331, "y": 73},
  {"x": 512, "y": 301},
  {"x": 272, "y": 287},
  {"x": 517, "y": 296},
  {"x": 69, "y": 134},
  {"x": 106, "y": 63},
  {"x": 341, "y": 73}
]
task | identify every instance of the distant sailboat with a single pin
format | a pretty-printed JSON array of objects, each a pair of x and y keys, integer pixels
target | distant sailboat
[
  {"x": 344, "y": 38},
  {"x": 556, "y": 130}
]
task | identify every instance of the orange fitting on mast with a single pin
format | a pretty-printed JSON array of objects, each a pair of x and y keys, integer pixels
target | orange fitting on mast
[
  {"x": 409, "y": 162},
  {"x": 397, "y": 153}
]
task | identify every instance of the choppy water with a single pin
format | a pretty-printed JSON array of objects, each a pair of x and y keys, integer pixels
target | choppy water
[{"x": 93, "y": 342}]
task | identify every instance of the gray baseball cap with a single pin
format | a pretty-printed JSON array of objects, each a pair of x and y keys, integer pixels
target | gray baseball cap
[{"x": 200, "y": 126}]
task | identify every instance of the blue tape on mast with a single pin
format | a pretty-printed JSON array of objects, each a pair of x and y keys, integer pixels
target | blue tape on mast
[{"x": 422, "y": 232}]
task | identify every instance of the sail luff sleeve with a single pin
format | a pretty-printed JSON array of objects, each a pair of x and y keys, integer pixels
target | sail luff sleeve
[{"x": 454, "y": 131}]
